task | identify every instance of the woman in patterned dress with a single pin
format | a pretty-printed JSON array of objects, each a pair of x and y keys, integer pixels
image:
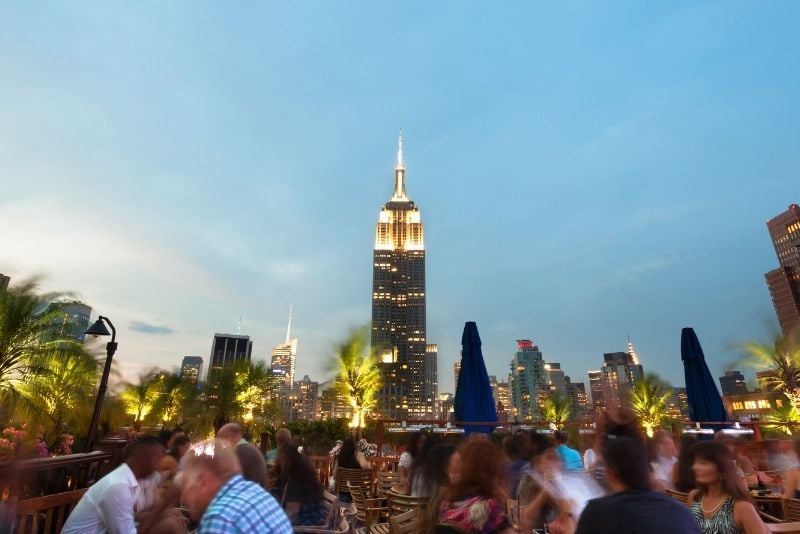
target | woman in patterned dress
[
  {"x": 719, "y": 503},
  {"x": 475, "y": 503}
]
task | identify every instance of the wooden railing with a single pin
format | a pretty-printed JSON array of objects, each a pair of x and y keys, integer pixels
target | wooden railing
[{"x": 26, "y": 479}]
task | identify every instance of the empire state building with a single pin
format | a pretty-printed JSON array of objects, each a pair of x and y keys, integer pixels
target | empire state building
[{"x": 408, "y": 365}]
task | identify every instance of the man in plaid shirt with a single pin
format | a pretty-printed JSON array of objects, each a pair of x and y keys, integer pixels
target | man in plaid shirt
[{"x": 224, "y": 502}]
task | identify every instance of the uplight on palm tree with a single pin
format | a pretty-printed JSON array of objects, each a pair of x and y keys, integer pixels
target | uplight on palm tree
[
  {"x": 557, "y": 410},
  {"x": 357, "y": 375},
  {"x": 781, "y": 356},
  {"x": 649, "y": 397},
  {"x": 140, "y": 398}
]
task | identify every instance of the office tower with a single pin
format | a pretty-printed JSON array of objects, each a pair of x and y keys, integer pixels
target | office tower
[
  {"x": 431, "y": 381},
  {"x": 456, "y": 372},
  {"x": 192, "y": 368},
  {"x": 576, "y": 393},
  {"x": 307, "y": 397},
  {"x": 784, "y": 282},
  {"x": 4, "y": 281},
  {"x": 732, "y": 383},
  {"x": 284, "y": 357},
  {"x": 70, "y": 320},
  {"x": 620, "y": 370},
  {"x": 398, "y": 302},
  {"x": 227, "y": 349},
  {"x": 526, "y": 379},
  {"x": 446, "y": 402},
  {"x": 597, "y": 391},
  {"x": 554, "y": 380},
  {"x": 332, "y": 404}
]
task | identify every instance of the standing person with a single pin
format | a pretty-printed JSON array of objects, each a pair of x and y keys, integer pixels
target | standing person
[
  {"x": 476, "y": 502},
  {"x": 350, "y": 457},
  {"x": 108, "y": 505},
  {"x": 791, "y": 482},
  {"x": 682, "y": 472},
  {"x": 720, "y": 504},
  {"x": 414, "y": 446},
  {"x": 299, "y": 489},
  {"x": 254, "y": 467},
  {"x": 224, "y": 502},
  {"x": 283, "y": 436},
  {"x": 665, "y": 456},
  {"x": 632, "y": 506},
  {"x": 569, "y": 456}
]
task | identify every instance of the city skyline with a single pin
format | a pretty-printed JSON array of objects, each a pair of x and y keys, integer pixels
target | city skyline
[{"x": 184, "y": 166}]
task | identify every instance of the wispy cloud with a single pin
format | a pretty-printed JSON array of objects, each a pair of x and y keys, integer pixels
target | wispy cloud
[{"x": 138, "y": 326}]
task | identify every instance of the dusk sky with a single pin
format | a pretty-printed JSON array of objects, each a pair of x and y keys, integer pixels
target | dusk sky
[{"x": 585, "y": 170}]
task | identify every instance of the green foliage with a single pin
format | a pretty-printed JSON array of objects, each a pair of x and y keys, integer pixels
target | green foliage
[
  {"x": 782, "y": 355},
  {"x": 649, "y": 397},
  {"x": 557, "y": 409},
  {"x": 785, "y": 414},
  {"x": 357, "y": 375},
  {"x": 28, "y": 339},
  {"x": 319, "y": 436}
]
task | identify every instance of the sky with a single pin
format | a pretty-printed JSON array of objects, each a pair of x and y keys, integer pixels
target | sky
[{"x": 585, "y": 170}]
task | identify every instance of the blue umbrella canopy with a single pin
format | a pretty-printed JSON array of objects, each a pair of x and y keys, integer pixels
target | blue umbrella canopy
[
  {"x": 705, "y": 402},
  {"x": 474, "y": 401}
]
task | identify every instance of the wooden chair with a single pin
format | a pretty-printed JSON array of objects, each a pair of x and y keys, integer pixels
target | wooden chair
[
  {"x": 369, "y": 511},
  {"x": 386, "y": 481},
  {"x": 405, "y": 523},
  {"x": 785, "y": 528},
  {"x": 46, "y": 515},
  {"x": 344, "y": 477},
  {"x": 399, "y": 503},
  {"x": 791, "y": 510},
  {"x": 341, "y": 528},
  {"x": 679, "y": 496}
]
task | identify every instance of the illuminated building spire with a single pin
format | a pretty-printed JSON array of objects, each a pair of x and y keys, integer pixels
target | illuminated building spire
[
  {"x": 289, "y": 328},
  {"x": 399, "y": 172},
  {"x": 632, "y": 351}
]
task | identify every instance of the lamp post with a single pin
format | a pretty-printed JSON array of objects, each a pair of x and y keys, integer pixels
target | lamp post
[{"x": 99, "y": 329}]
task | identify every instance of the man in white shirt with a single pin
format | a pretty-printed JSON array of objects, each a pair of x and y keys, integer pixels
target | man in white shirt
[{"x": 109, "y": 505}]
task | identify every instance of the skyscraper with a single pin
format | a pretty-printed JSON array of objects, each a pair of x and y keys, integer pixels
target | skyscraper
[
  {"x": 284, "y": 357},
  {"x": 398, "y": 303},
  {"x": 192, "y": 368},
  {"x": 784, "y": 282},
  {"x": 732, "y": 383},
  {"x": 227, "y": 349},
  {"x": 526, "y": 380},
  {"x": 71, "y": 319}
]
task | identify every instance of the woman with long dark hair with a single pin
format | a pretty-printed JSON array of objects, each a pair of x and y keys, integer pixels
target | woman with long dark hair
[
  {"x": 431, "y": 472},
  {"x": 475, "y": 503},
  {"x": 350, "y": 457},
  {"x": 720, "y": 504},
  {"x": 299, "y": 489}
]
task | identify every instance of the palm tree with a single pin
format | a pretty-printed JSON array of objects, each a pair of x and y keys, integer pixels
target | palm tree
[
  {"x": 28, "y": 336},
  {"x": 140, "y": 398},
  {"x": 557, "y": 409},
  {"x": 357, "y": 375},
  {"x": 242, "y": 391},
  {"x": 782, "y": 356},
  {"x": 786, "y": 413},
  {"x": 649, "y": 397},
  {"x": 171, "y": 391},
  {"x": 59, "y": 392}
]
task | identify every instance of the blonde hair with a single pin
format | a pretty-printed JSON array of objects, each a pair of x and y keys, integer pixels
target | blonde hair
[{"x": 223, "y": 464}]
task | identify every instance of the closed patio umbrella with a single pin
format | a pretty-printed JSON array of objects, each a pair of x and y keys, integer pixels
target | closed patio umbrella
[
  {"x": 705, "y": 402},
  {"x": 474, "y": 401}
]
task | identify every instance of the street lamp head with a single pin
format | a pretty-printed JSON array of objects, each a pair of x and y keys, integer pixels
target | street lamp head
[{"x": 98, "y": 329}]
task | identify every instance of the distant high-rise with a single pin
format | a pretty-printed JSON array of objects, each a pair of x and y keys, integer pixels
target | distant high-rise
[
  {"x": 456, "y": 372},
  {"x": 284, "y": 358},
  {"x": 597, "y": 391},
  {"x": 431, "y": 380},
  {"x": 398, "y": 303},
  {"x": 526, "y": 380},
  {"x": 620, "y": 370},
  {"x": 192, "y": 368},
  {"x": 4, "y": 281},
  {"x": 227, "y": 349},
  {"x": 784, "y": 282},
  {"x": 71, "y": 319},
  {"x": 732, "y": 383}
]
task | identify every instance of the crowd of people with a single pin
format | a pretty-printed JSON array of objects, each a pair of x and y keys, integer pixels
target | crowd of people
[{"x": 618, "y": 484}]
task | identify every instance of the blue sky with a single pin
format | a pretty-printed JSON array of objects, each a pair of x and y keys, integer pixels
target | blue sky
[{"x": 585, "y": 170}]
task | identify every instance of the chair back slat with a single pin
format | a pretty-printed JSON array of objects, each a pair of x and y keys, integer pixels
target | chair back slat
[
  {"x": 386, "y": 480},
  {"x": 400, "y": 503},
  {"x": 405, "y": 523},
  {"x": 357, "y": 477},
  {"x": 55, "y": 509},
  {"x": 791, "y": 510}
]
